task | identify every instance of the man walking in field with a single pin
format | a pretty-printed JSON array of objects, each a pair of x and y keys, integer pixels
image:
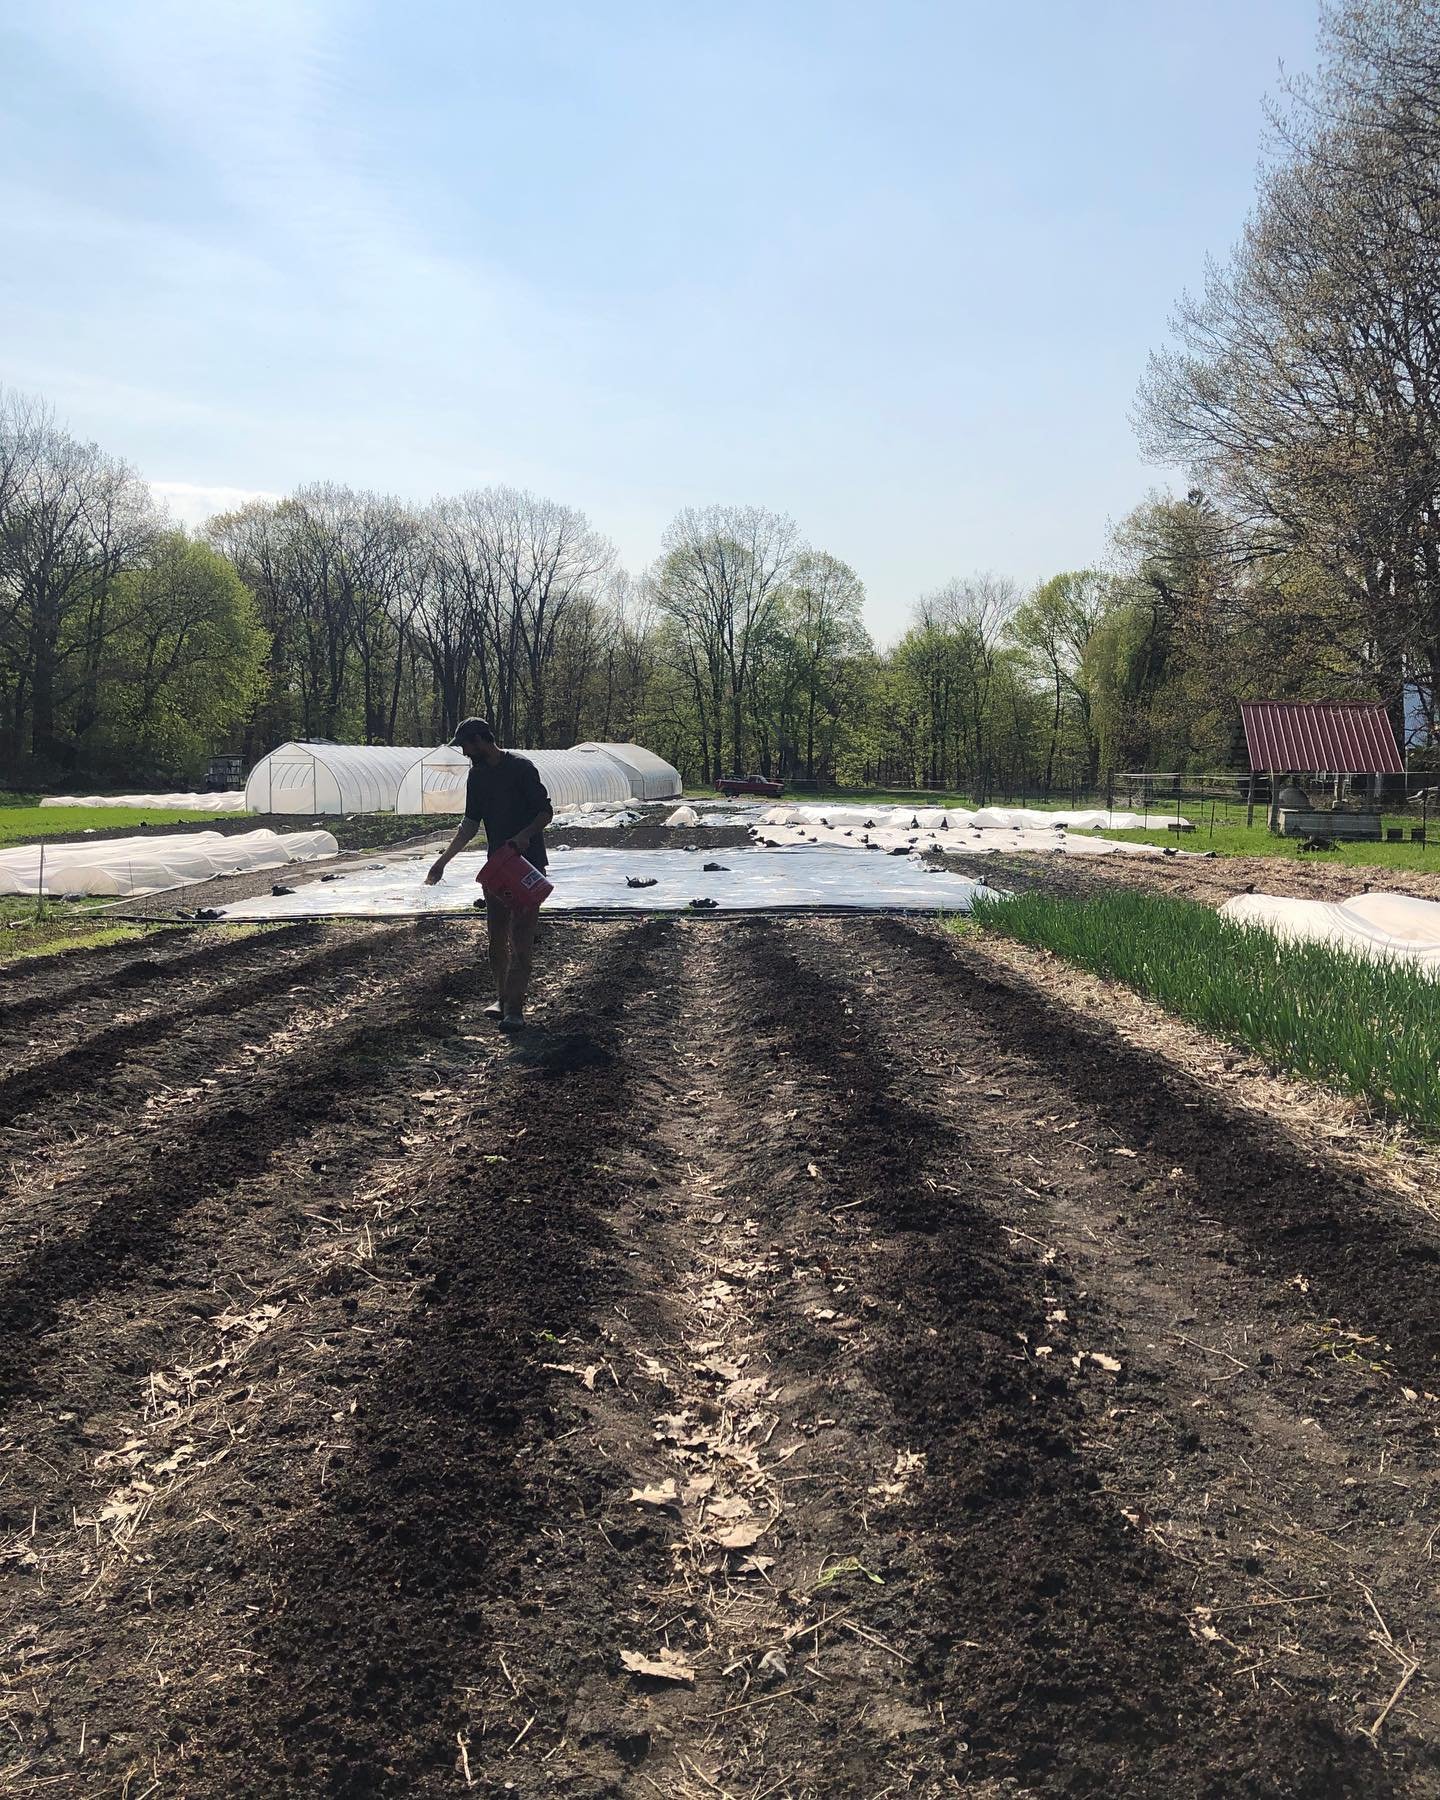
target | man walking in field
[{"x": 506, "y": 795}]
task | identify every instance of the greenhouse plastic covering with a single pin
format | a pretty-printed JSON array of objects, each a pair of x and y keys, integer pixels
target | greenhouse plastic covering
[
  {"x": 329, "y": 778},
  {"x": 1385, "y": 927},
  {"x": 589, "y": 879},
  {"x": 434, "y": 781},
  {"x": 651, "y": 777},
  {"x": 216, "y": 803},
  {"x": 147, "y": 865}
]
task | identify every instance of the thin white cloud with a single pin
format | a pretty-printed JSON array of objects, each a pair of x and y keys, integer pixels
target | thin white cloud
[
  {"x": 308, "y": 239},
  {"x": 191, "y": 503}
]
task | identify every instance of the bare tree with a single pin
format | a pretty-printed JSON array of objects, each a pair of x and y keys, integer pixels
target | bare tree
[
  {"x": 825, "y": 616},
  {"x": 444, "y": 620},
  {"x": 964, "y": 624},
  {"x": 723, "y": 572},
  {"x": 71, "y": 520},
  {"x": 554, "y": 565},
  {"x": 1304, "y": 389}
]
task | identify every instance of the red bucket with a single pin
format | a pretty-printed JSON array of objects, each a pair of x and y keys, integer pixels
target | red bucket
[{"x": 506, "y": 876}]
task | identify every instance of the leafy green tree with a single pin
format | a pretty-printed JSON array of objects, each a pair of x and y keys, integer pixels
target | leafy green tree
[
  {"x": 1053, "y": 630},
  {"x": 184, "y": 667}
]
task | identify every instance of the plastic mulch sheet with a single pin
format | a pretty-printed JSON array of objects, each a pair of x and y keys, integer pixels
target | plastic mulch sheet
[{"x": 587, "y": 880}]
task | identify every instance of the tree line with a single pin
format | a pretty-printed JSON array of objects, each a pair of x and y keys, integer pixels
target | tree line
[
  {"x": 131, "y": 649},
  {"x": 1300, "y": 392}
]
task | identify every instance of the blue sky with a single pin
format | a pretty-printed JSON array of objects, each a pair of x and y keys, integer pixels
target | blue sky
[{"x": 893, "y": 268}]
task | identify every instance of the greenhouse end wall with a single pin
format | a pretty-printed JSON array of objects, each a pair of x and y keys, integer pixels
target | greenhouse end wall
[{"x": 308, "y": 779}]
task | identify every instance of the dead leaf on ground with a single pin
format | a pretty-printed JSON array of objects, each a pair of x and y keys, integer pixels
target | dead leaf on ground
[
  {"x": 663, "y": 1494},
  {"x": 718, "y": 1367},
  {"x": 668, "y": 1665},
  {"x": 257, "y": 1320},
  {"x": 742, "y": 1536},
  {"x": 172, "y": 1463},
  {"x": 732, "y": 1506},
  {"x": 586, "y": 1375}
]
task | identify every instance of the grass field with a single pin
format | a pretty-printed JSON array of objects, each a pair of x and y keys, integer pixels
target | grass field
[
  {"x": 22, "y": 824},
  {"x": 1237, "y": 840},
  {"x": 1367, "y": 1026},
  {"x": 51, "y": 926}
]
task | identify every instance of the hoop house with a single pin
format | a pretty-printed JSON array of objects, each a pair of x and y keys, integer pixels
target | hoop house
[
  {"x": 435, "y": 780},
  {"x": 651, "y": 777},
  {"x": 329, "y": 778}
]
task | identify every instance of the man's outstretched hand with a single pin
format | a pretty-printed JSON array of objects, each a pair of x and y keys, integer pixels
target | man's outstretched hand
[{"x": 437, "y": 872}]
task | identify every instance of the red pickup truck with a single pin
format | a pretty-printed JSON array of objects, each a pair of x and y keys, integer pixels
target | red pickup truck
[{"x": 731, "y": 785}]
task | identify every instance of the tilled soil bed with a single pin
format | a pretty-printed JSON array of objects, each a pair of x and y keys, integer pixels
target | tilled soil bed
[
  {"x": 812, "y": 1360},
  {"x": 1209, "y": 879}
]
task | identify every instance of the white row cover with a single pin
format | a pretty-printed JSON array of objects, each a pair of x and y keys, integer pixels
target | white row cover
[
  {"x": 595, "y": 816},
  {"x": 966, "y": 840},
  {"x": 214, "y": 803},
  {"x": 147, "y": 865},
  {"x": 362, "y": 778},
  {"x": 751, "y": 880},
  {"x": 329, "y": 778},
  {"x": 955, "y": 818},
  {"x": 715, "y": 819},
  {"x": 1383, "y": 927}
]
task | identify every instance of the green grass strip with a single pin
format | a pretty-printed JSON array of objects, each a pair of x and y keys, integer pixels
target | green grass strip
[
  {"x": 1259, "y": 840},
  {"x": 1371, "y": 1027},
  {"x": 62, "y": 946},
  {"x": 28, "y": 824}
]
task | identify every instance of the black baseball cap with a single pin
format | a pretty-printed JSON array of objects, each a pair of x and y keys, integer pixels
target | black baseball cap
[{"x": 472, "y": 728}]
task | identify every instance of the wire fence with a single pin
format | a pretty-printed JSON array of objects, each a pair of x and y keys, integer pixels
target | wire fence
[
  {"x": 1345, "y": 806},
  {"x": 1392, "y": 809}
]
